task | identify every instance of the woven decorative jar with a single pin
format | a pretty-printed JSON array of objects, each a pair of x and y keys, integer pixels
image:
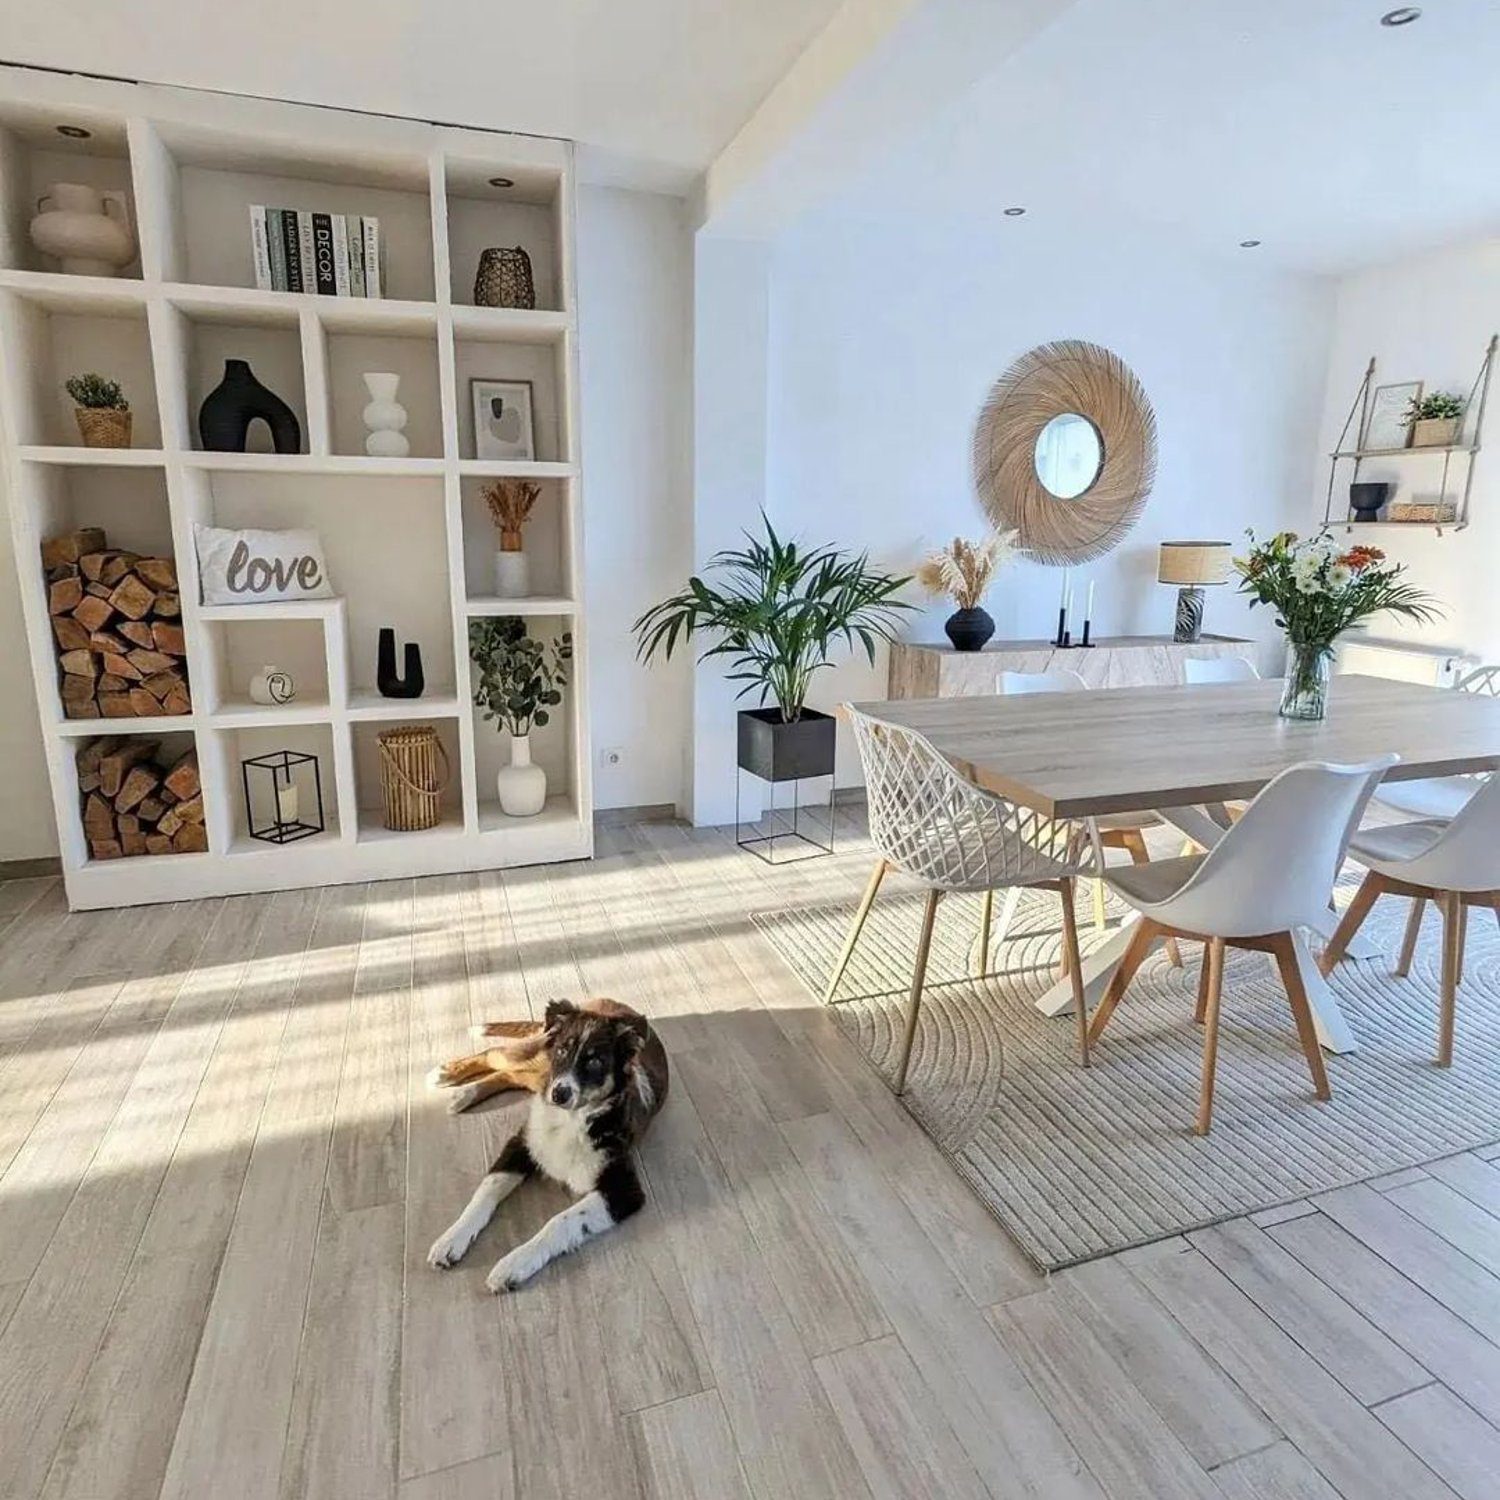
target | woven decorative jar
[
  {"x": 413, "y": 777},
  {"x": 504, "y": 279},
  {"x": 103, "y": 426}
]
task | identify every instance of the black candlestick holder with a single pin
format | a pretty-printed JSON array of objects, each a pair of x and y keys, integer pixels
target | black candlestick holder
[{"x": 1088, "y": 625}]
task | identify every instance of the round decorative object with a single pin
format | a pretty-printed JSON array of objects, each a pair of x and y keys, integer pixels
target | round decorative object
[
  {"x": 522, "y": 786},
  {"x": 1045, "y": 417},
  {"x": 103, "y": 426},
  {"x": 969, "y": 629},
  {"x": 272, "y": 686},
  {"x": 504, "y": 279},
  {"x": 385, "y": 417},
  {"x": 238, "y": 400},
  {"x": 88, "y": 232},
  {"x": 512, "y": 575}
]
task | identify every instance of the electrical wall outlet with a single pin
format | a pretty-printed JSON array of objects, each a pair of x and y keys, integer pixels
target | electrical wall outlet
[{"x": 611, "y": 759}]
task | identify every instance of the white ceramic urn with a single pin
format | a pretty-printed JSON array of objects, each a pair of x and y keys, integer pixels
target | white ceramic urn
[
  {"x": 86, "y": 230},
  {"x": 385, "y": 417},
  {"x": 522, "y": 786}
]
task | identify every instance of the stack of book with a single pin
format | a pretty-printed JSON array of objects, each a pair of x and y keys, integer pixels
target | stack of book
[{"x": 335, "y": 255}]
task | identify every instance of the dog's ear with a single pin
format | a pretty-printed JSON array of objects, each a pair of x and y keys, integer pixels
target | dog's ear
[
  {"x": 633, "y": 1032},
  {"x": 557, "y": 1012}
]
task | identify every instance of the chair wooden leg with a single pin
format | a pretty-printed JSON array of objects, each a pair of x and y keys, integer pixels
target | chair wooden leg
[
  {"x": 1204, "y": 972},
  {"x": 979, "y": 956},
  {"x": 1099, "y": 920},
  {"x": 1135, "y": 953},
  {"x": 1353, "y": 919},
  {"x": 1135, "y": 842},
  {"x": 1075, "y": 969},
  {"x": 919, "y": 975},
  {"x": 1413, "y": 932},
  {"x": 1453, "y": 957},
  {"x": 856, "y": 927},
  {"x": 1463, "y": 935},
  {"x": 1213, "y": 963},
  {"x": 1307, "y": 1031}
]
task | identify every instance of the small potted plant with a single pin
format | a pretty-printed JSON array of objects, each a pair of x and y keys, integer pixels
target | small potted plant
[
  {"x": 1435, "y": 419},
  {"x": 964, "y": 570},
  {"x": 510, "y": 502},
  {"x": 518, "y": 680},
  {"x": 1319, "y": 592},
  {"x": 101, "y": 410},
  {"x": 778, "y": 611}
]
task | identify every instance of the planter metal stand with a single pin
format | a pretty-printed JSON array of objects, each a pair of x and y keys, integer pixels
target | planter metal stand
[{"x": 776, "y": 752}]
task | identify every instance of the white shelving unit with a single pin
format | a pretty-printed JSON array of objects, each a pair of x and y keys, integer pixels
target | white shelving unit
[{"x": 401, "y": 536}]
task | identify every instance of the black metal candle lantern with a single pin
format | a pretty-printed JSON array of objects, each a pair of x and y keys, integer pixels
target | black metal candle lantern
[{"x": 282, "y": 782}]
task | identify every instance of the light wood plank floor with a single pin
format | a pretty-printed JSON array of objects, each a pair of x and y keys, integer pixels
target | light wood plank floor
[{"x": 220, "y": 1172}]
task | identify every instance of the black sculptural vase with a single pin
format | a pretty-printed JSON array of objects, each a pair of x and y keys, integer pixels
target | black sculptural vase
[
  {"x": 969, "y": 629},
  {"x": 1365, "y": 499},
  {"x": 411, "y": 682},
  {"x": 238, "y": 400}
]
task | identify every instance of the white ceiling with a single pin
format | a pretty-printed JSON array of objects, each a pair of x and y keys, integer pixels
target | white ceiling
[
  {"x": 652, "y": 88},
  {"x": 1302, "y": 123}
]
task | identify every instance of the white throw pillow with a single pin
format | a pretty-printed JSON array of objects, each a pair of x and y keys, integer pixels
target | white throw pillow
[{"x": 253, "y": 567}]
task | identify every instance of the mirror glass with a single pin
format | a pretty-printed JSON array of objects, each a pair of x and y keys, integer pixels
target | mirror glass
[{"x": 1069, "y": 455}]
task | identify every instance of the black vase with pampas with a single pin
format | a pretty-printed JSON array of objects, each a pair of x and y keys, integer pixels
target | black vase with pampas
[{"x": 963, "y": 570}]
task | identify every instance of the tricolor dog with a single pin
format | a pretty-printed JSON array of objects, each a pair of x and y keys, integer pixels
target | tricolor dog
[{"x": 598, "y": 1075}]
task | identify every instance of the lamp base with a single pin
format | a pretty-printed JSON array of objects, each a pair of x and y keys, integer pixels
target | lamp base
[{"x": 1189, "y": 615}]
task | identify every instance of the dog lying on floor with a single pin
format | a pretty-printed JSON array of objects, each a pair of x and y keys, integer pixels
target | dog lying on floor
[{"x": 598, "y": 1076}]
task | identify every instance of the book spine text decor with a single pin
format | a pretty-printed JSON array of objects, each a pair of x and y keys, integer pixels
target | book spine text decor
[{"x": 335, "y": 255}]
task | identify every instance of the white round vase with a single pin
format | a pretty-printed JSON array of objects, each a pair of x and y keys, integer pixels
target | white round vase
[
  {"x": 521, "y": 785},
  {"x": 87, "y": 231},
  {"x": 385, "y": 417},
  {"x": 512, "y": 575}
]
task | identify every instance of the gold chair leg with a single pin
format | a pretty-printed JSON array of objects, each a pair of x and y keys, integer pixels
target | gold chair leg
[
  {"x": 1413, "y": 932},
  {"x": 1353, "y": 919},
  {"x": 1075, "y": 968},
  {"x": 1135, "y": 842},
  {"x": 1307, "y": 1031},
  {"x": 919, "y": 975},
  {"x": 979, "y": 962},
  {"x": 1453, "y": 959},
  {"x": 856, "y": 927},
  {"x": 1214, "y": 963}
]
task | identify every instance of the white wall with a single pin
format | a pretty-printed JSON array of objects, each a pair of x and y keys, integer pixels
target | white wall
[
  {"x": 887, "y": 331},
  {"x": 26, "y": 827},
  {"x": 1427, "y": 319}
]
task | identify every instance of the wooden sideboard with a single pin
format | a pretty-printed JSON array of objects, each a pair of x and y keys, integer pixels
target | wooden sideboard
[{"x": 932, "y": 671}]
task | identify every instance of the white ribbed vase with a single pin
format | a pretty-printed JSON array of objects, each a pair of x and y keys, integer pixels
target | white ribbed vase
[{"x": 385, "y": 417}]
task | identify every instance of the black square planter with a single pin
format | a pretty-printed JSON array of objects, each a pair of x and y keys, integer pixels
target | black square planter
[{"x": 778, "y": 751}]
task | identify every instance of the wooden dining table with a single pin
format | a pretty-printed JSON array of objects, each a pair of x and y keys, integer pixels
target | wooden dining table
[{"x": 1175, "y": 750}]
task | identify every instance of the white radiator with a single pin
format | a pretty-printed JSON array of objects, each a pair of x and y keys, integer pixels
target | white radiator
[{"x": 1407, "y": 661}]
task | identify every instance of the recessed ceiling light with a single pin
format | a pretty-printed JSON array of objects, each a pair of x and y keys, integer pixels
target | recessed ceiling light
[
  {"x": 502, "y": 181},
  {"x": 74, "y": 132},
  {"x": 1014, "y": 213},
  {"x": 1402, "y": 16},
  {"x": 1249, "y": 244}
]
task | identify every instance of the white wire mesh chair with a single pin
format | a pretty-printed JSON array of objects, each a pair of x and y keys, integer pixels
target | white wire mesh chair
[
  {"x": 940, "y": 828},
  {"x": 1442, "y": 796}
]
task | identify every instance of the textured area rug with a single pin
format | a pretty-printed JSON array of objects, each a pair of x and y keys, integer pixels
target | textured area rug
[{"x": 1081, "y": 1163}]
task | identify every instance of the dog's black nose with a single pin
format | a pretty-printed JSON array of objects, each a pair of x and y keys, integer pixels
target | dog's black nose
[{"x": 562, "y": 1094}]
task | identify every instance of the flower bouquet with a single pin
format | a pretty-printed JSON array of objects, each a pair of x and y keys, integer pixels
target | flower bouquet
[{"x": 1319, "y": 592}]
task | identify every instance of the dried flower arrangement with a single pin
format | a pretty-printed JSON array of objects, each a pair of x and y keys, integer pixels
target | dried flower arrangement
[
  {"x": 510, "y": 502},
  {"x": 964, "y": 570}
]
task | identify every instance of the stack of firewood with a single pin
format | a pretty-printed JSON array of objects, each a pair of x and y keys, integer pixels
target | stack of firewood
[
  {"x": 136, "y": 803},
  {"x": 117, "y": 621}
]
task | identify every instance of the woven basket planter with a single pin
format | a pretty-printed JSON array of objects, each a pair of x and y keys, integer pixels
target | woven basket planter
[
  {"x": 103, "y": 426},
  {"x": 1434, "y": 432},
  {"x": 414, "y": 775},
  {"x": 504, "y": 279}
]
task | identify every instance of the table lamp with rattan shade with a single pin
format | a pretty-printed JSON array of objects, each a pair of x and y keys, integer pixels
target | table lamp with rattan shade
[{"x": 1191, "y": 565}]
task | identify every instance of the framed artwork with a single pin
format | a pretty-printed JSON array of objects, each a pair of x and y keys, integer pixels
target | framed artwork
[
  {"x": 503, "y": 425},
  {"x": 1388, "y": 425}
]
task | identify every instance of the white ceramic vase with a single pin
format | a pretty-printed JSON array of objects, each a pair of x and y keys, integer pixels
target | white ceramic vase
[
  {"x": 512, "y": 575},
  {"x": 271, "y": 686},
  {"x": 385, "y": 417},
  {"x": 87, "y": 231},
  {"x": 521, "y": 785}
]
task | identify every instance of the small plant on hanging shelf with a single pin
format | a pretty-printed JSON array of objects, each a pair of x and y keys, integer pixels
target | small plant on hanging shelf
[
  {"x": 1435, "y": 419},
  {"x": 963, "y": 571},
  {"x": 510, "y": 503},
  {"x": 100, "y": 409},
  {"x": 519, "y": 680}
]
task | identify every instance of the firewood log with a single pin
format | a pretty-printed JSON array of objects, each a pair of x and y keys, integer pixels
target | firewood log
[
  {"x": 70, "y": 547},
  {"x": 191, "y": 838},
  {"x": 158, "y": 572},
  {"x": 115, "y": 706},
  {"x": 144, "y": 705},
  {"x": 149, "y": 663},
  {"x": 157, "y": 843},
  {"x": 178, "y": 701},
  {"x": 191, "y": 811},
  {"x": 105, "y": 849},
  {"x": 71, "y": 636},
  {"x": 133, "y": 843},
  {"x": 182, "y": 780},
  {"x": 168, "y": 605},
  {"x": 64, "y": 596},
  {"x": 114, "y": 763},
  {"x": 79, "y": 663},
  {"x": 132, "y": 598},
  {"x": 168, "y": 638},
  {"x": 138, "y": 633},
  {"x": 140, "y": 781},
  {"x": 91, "y": 754},
  {"x": 94, "y": 613},
  {"x": 120, "y": 666},
  {"x": 98, "y": 817}
]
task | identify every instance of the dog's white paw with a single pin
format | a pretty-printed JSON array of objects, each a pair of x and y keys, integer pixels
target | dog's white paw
[
  {"x": 479, "y": 1033},
  {"x": 438, "y": 1079},
  {"x": 462, "y": 1097},
  {"x": 511, "y": 1272},
  {"x": 450, "y": 1247}
]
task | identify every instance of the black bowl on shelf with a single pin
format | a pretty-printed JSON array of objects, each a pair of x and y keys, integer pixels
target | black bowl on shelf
[{"x": 1366, "y": 498}]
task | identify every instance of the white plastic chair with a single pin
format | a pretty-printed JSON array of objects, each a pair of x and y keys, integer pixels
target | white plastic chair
[
  {"x": 1059, "y": 680},
  {"x": 1455, "y": 863},
  {"x": 940, "y": 828},
  {"x": 1200, "y": 670},
  {"x": 1441, "y": 796},
  {"x": 1270, "y": 873}
]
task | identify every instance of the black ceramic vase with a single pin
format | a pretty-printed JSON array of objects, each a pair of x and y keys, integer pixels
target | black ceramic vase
[
  {"x": 969, "y": 629},
  {"x": 411, "y": 682},
  {"x": 238, "y": 400},
  {"x": 1365, "y": 499}
]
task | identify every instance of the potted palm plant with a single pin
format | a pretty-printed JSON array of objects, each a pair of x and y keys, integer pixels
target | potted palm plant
[
  {"x": 778, "y": 611},
  {"x": 1435, "y": 419}
]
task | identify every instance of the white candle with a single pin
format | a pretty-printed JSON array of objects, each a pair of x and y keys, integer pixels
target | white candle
[
  {"x": 286, "y": 802},
  {"x": 1063, "y": 597},
  {"x": 1088, "y": 609}
]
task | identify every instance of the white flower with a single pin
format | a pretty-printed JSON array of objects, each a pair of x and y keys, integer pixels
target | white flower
[
  {"x": 1308, "y": 583},
  {"x": 1339, "y": 575}
]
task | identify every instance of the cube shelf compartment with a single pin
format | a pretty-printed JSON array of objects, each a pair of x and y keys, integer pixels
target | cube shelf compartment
[{"x": 407, "y": 541}]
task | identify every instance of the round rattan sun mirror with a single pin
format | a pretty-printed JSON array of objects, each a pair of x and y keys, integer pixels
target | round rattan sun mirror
[{"x": 1065, "y": 451}]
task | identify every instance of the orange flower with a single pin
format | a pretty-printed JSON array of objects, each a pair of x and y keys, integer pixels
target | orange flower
[{"x": 1362, "y": 557}]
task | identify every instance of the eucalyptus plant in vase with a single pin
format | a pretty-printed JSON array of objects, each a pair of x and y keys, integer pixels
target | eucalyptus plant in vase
[
  {"x": 518, "y": 679},
  {"x": 1319, "y": 592},
  {"x": 777, "y": 612}
]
